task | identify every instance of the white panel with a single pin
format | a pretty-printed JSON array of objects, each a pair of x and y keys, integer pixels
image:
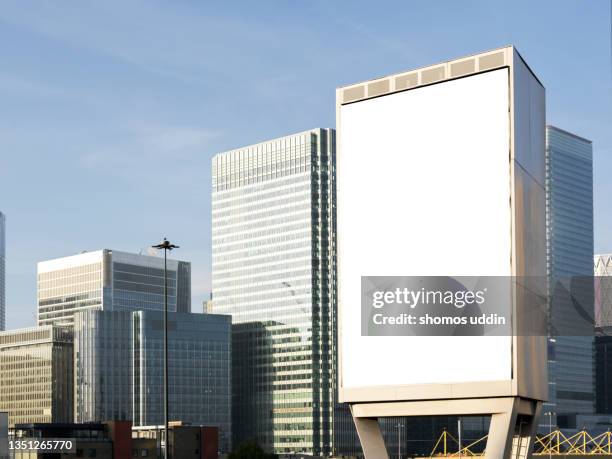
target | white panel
[{"x": 424, "y": 189}]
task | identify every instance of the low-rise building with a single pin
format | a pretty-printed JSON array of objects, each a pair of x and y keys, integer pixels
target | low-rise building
[
  {"x": 36, "y": 378},
  {"x": 119, "y": 368}
]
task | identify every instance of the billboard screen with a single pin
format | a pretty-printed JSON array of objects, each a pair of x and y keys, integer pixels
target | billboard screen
[{"x": 424, "y": 189}]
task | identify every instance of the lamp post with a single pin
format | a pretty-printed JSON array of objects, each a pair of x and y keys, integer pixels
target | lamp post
[
  {"x": 399, "y": 440},
  {"x": 165, "y": 245},
  {"x": 459, "y": 435}
]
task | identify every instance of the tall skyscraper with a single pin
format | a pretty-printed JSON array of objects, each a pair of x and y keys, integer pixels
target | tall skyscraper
[
  {"x": 273, "y": 230},
  {"x": 2, "y": 272},
  {"x": 569, "y": 183},
  {"x": 36, "y": 379},
  {"x": 118, "y": 361},
  {"x": 109, "y": 280}
]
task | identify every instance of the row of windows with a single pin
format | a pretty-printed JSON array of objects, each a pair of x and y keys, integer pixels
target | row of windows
[
  {"x": 291, "y": 277},
  {"x": 219, "y": 197},
  {"x": 304, "y": 218},
  {"x": 224, "y": 257},
  {"x": 61, "y": 274},
  {"x": 237, "y": 266},
  {"x": 295, "y": 296},
  {"x": 244, "y": 288},
  {"x": 225, "y": 206},
  {"x": 290, "y": 227},
  {"x": 294, "y": 207},
  {"x": 281, "y": 197}
]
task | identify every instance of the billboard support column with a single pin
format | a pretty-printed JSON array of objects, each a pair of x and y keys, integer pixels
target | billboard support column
[
  {"x": 513, "y": 422},
  {"x": 501, "y": 431},
  {"x": 370, "y": 436}
]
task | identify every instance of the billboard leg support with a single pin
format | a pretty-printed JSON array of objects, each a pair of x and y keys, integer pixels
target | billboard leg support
[
  {"x": 512, "y": 430},
  {"x": 526, "y": 429},
  {"x": 370, "y": 436},
  {"x": 501, "y": 432},
  {"x": 514, "y": 422}
]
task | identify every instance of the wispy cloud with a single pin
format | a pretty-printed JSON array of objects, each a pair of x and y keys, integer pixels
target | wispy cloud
[{"x": 143, "y": 148}]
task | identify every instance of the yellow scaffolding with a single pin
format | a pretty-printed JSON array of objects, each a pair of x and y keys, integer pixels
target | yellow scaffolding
[
  {"x": 554, "y": 444},
  {"x": 443, "y": 446},
  {"x": 581, "y": 443}
]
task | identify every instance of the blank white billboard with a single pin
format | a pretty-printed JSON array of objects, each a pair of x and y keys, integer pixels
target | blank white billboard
[{"x": 424, "y": 189}]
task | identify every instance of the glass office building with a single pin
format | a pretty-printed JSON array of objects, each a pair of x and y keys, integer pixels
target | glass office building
[
  {"x": 109, "y": 280},
  {"x": 273, "y": 227},
  {"x": 569, "y": 182},
  {"x": 36, "y": 379},
  {"x": 119, "y": 368},
  {"x": 2, "y": 272}
]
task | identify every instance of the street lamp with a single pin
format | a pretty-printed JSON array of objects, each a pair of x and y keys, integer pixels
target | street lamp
[
  {"x": 459, "y": 435},
  {"x": 399, "y": 440},
  {"x": 165, "y": 245}
]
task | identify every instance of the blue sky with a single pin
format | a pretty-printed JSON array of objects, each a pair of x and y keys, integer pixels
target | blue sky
[{"x": 110, "y": 111}]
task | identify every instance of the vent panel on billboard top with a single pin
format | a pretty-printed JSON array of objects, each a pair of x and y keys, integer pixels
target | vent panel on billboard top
[
  {"x": 378, "y": 87},
  {"x": 491, "y": 61},
  {"x": 425, "y": 76},
  {"x": 463, "y": 68}
]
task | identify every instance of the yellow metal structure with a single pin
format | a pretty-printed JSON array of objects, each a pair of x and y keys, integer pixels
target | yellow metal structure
[
  {"x": 448, "y": 442},
  {"x": 555, "y": 444},
  {"x": 581, "y": 443}
]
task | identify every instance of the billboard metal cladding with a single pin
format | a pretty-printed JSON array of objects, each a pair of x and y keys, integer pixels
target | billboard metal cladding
[{"x": 440, "y": 182}]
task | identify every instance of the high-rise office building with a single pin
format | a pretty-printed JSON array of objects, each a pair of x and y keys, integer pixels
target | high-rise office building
[
  {"x": 112, "y": 281},
  {"x": 273, "y": 230},
  {"x": 569, "y": 201},
  {"x": 2, "y": 272},
  {"x": 119, "y": 368},
  {"x": 36, "y": 379}
]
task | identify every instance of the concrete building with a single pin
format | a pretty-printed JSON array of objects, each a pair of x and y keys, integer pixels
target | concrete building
[
  {"x": 569, "y": 180},
  {"x": 2, "y": 272},
  {"x": 273, "y": 230},
  {"x": 109, "y": 280},
  {"x": 119, "y": 368},
  {"x": 36, "y": 383}
]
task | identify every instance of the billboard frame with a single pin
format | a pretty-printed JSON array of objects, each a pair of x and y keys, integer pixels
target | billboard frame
[{"x": 524, "y": 393}]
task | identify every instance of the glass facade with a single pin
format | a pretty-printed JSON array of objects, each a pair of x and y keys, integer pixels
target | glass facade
[
  {"x": 2, "y": 272},
  {"x": 109, "y": 280},
  {"x": 36, "y": 379},
  {"x": 603, "y": 383},
  {"x": 273, "y": 227},
  {"x": 119, "y": 368},
  {"x": 569, "y": 202}
]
